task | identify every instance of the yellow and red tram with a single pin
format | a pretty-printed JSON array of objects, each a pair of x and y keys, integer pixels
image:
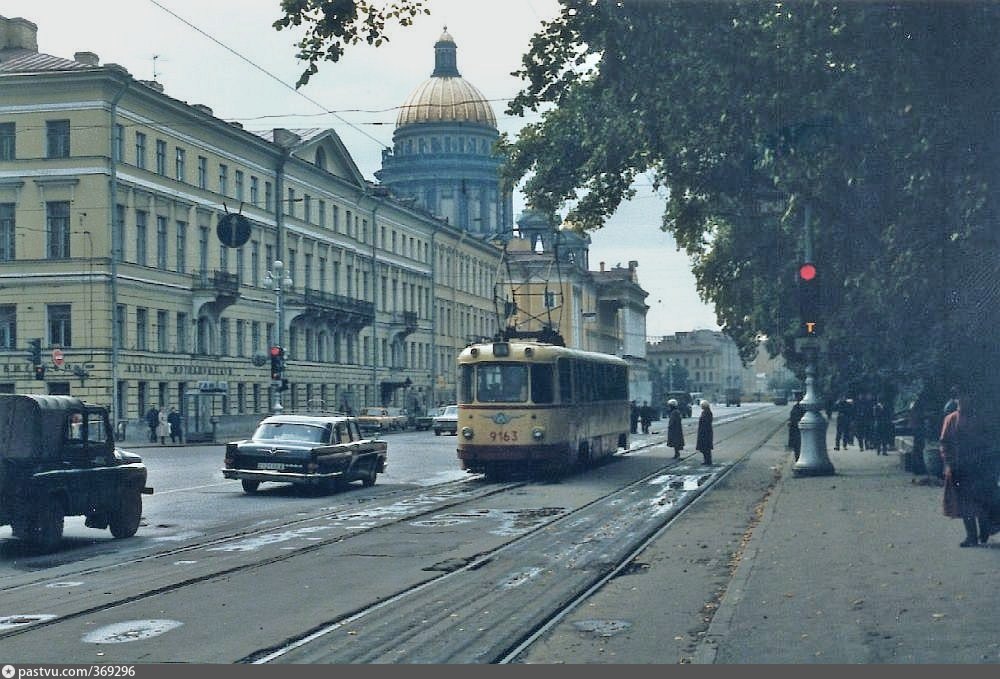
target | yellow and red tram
[{"x": 538, "y": 408}]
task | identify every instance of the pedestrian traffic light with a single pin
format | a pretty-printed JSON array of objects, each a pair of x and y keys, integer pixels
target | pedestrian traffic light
[
  {"x": 277, "y": 362},
  {"x": 809, "y": 303},
  {"x": 39, "y": 372},
  {"x": 35, "y": 351}
]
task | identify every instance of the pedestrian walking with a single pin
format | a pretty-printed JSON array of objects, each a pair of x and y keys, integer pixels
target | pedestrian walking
[
  {"x": 152, "y": 421},
  {"x": 794, "y": 435},
  {"x": 705, "y": 441},
  {"x": 162, "y": 427},
  {"x": 844, "y": 407},
  {"x": 633, "y": 416},
  {"x": 882, "y": 425},
  {"x": 970, "y": 475},
  {"x": 174, "y": 420},
  {"x": 675, "y": 435},
  {"x": 645, "y": 416}
]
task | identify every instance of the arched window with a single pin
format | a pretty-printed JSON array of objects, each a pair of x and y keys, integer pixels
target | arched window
[{"x": 321, "y": 158}]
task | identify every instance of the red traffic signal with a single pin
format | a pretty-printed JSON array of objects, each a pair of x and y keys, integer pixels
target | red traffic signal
[
  {"x": 277, "y": 362},
  {"x": 807, "y": 271},
  {"x": 277, "y": 351}
]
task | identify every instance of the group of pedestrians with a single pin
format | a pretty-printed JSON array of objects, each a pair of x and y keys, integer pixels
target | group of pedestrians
[
  {"x": 640, "y": 414},
  {"x": 865, "y": 419},
  {"x": 163, "y": 424},
  {"x": 705, "y": 440}
]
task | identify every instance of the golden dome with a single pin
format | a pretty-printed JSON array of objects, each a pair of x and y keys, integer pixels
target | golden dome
[{"x": 446, "y": 96}]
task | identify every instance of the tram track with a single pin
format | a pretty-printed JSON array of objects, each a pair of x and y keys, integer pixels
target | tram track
[{"x": 139, "y": 589}]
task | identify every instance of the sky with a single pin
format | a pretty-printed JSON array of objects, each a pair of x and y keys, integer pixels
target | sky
[{"x": 226, "y": 55}]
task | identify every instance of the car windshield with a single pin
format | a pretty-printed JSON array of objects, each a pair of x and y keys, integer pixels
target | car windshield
[
  {"x": 289, "y": 431},
  {"x": 450, "y": 410}
]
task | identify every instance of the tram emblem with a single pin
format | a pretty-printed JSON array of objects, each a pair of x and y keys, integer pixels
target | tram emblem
[{"x": 503, "y": 418}]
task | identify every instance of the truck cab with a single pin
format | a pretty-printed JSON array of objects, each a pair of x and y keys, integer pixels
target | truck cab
[{"x": 58, "y": 459}]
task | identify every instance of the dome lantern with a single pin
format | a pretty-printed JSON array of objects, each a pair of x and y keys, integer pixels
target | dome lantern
[{"x": 445, "y": 57}]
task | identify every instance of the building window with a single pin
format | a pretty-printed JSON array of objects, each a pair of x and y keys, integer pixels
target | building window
[
  {"x": 307, "y": 208},
  {"x": 255, "y": 263},
  {"x": 161, "y": 242},
  {"x": 290, "y": 209},
  {"x": 307, "y": 272},
  {"x": 238, "y": 180},
  {"x": 255, "y": 337},
  {"x": 120, "y": 324},
  {"x": 224, "y": 336},
  {"x": 223, "y": 179},
  {"x": 202, "y": 172},
  {"x": 60, "y": 330},
  {"x": 57, "y": 137},
  {"x": 57, "y": 229},
  {"x": 240, "y": 337},
  {"x": 321, "y": 208},
  {"x": 336, "y": 218},
  {"x": 224, "y": 258},
  {"x": 8, "y": 139},
  {"x": 180, "y": 172},
  {"x": 8, "y": 326},
  {"x": 203, "y": 249},
  {"x": 161, "y": 331},
  {"x": 254, "y": 190},
  {"x": 268, "y": 196},
  {"x": 140, "y": 150},
  {"x": 140, "y": 237},
  {"x": 181, "y": 247},
  {"x": 161, "y": 157},
  {"x": 7, "y": 225},
  {"x": 182, "y": 333},
  {"x": 141, "y": 325}
]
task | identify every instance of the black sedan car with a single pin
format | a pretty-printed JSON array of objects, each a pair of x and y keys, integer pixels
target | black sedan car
[{"x": 327, "y": 452}]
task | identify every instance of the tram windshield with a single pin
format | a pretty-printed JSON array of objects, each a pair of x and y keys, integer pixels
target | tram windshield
[{"x": 504, "y": 382}]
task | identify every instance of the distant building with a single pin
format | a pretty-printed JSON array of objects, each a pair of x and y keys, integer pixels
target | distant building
[{"x": 710, "y": 359}]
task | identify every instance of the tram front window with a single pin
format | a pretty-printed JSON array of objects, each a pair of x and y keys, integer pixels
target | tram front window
[{"x": 501, "y": 383}]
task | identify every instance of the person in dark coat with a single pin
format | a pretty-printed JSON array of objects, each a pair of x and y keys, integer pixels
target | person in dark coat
[
  {"x": 705, "y": 435},
  {"x": 882, "y": 417},
  {"x": 675, "y": 435},
  {"x": 633, "y": 416},
  {"x": 152, "y": 421},
  {"x": 645, "y": 416},
  {"x": 174, "y": 420},
  {"x": 969, "y": 470},
  {"x": 844, "y": 407},
  {"x": 794, "y": 435}
]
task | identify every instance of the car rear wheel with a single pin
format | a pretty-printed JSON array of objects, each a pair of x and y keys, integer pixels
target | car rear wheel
[
  {"x": 250, "y": 487},
  {"x": 369, "y": 479},
  {"x": 124, "y": 521}
]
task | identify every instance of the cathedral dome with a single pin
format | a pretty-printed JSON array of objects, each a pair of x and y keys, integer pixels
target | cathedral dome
[{"x": 446, "y": 97}]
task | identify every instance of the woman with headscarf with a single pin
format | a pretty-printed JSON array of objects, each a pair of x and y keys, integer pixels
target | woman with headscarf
[
  {"x": 675, "y": 435},
  {"x": 705, "y": 435},
  {"x": 969, "y": 472}
]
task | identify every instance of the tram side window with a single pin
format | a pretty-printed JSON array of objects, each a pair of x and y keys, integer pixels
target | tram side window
[
  {"x": 465, "y": 383},
  {"x": 541, "y": 383},
  {"x": 565, "y": 368}
]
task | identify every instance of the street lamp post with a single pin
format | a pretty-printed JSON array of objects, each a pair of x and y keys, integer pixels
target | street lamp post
[{"x": 278, "y": 279}]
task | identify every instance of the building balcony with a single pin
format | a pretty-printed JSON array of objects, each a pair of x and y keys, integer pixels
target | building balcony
[
  {"x": 345, "y": 311},
  {"x": 402, "y": 324},
  {"x": 214, "y": 290}
]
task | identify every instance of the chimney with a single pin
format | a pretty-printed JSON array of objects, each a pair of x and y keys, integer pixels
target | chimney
[
  {"x": 201, "y": 107},
  {"x": 602, "y": 266},
  {"x": 88, "y": 58},
  {"x": 18, "y": 33},
  {"x": 286, "y": 139},
  {"x": 633, "y": 263},
  {"x": 152, "y": 84}
]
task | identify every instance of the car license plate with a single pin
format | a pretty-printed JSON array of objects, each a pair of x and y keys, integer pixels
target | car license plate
[{"x": 277, "y": 466}]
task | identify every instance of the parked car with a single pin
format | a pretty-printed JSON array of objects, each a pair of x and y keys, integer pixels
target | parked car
[
  {"x": 383, "y": 418},
  {"x": 425, "y": 422},
  {"x": 58, "y": 459},
  {"x": 732, "y": 396},
  {"x": 324, "y": 451},
  {"x": 447, "y": 421}
]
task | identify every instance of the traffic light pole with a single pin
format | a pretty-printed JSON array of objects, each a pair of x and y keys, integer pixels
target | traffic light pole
[
  {"x": 278, "y": 278},
  {"x": 813, "y": 459}
]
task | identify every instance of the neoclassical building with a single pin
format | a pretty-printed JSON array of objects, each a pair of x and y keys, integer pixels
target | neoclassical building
[{"x": 141, "y": 236}]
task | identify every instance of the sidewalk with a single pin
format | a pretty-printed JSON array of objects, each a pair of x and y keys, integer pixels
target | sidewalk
[{"x": 857, "y": 567}]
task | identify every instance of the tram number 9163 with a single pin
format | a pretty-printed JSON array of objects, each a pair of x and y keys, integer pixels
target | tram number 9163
[{"x": 505, "y": 436}]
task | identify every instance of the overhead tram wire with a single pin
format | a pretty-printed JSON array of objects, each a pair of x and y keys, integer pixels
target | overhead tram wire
[{"x": 266, "y": 72}]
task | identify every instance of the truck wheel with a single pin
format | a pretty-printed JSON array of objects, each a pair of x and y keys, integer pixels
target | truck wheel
[
  {"x": 437, "y": 432},
  {"x": 250, "y": 487},
  {"x": 124, "y": 521},
  {"x": 47, "y": 526}
]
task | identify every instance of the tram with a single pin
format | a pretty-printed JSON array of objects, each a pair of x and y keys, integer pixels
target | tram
[{"x": 528, "y": 405}]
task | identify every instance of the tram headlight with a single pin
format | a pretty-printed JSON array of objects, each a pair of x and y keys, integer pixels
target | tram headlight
[
  {"x": 466, "y": 433},
  {"x": 538, "y": 433}
]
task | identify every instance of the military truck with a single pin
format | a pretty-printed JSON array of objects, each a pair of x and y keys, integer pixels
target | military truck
[{"x": 58, "y": 459}]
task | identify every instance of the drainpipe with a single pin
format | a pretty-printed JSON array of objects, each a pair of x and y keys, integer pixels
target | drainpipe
[
  {"x": 116, "y": 253},
  {"x": 433, "y": 312}
]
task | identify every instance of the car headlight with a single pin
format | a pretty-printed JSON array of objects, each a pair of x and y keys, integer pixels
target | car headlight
[
  {"x": 538, "y": 433},
  {"x": 466, "y": 433}
]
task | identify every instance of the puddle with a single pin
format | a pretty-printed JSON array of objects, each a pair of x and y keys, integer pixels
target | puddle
[
  {"x": 602, "y": 628},
  {"x": 130, "y": 630}
]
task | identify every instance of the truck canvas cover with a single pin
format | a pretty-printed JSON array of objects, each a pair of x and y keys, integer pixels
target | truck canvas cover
[{"x": 31, "y": 426}]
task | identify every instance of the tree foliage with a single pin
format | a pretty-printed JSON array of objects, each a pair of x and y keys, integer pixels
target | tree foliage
[{"x": 879, "y": 119}]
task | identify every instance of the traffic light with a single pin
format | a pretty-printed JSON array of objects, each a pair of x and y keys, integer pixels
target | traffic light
[
  {"x": 809, "y": 302},
  {"x": 39, "y": 372},
  {"x": 35, "y": 351},
  {"x": 277, "y": 362}
]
